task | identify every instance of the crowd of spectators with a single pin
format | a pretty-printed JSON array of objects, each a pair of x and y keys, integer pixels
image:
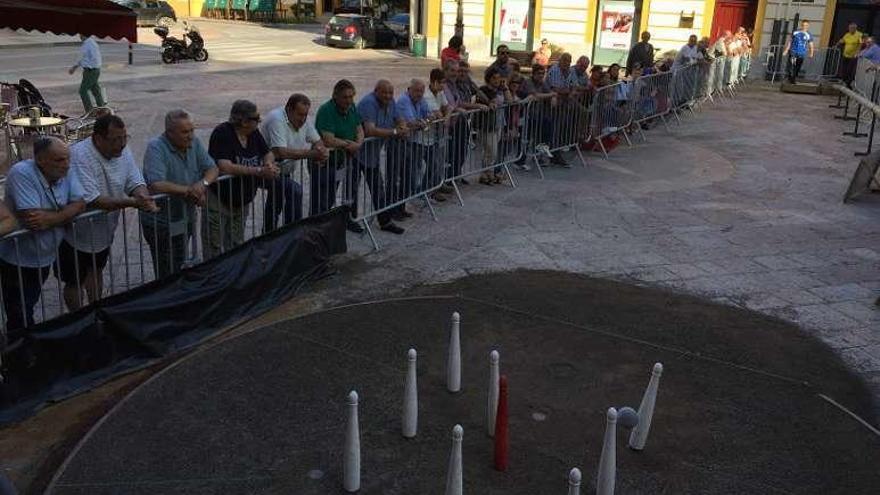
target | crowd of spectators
[{"x": 427, "y": 136}]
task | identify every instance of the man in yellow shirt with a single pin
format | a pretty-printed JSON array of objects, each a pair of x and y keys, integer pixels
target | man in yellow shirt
[{"x": 850, "y": 44}]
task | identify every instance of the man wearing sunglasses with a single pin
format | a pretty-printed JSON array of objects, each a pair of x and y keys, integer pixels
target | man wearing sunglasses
[
  {"x": 502, "y": 62},
  {"x": 239, "y": 149},
  {"x": 111, "y": 181}
]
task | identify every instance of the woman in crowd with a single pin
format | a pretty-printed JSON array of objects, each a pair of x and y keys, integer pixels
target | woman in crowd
[
  {"x": 542, "y": 54},
  {"x": 614, "y": 73},
  {"x": 453, "y": 51}
]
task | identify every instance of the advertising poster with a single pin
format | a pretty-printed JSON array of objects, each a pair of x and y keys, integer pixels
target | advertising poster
[
  {"x": 513, "y": 22},
  {"x": 616, "y": 25}
]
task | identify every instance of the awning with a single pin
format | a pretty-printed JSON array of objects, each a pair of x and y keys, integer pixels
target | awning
[{"x": 101, "y": 18}]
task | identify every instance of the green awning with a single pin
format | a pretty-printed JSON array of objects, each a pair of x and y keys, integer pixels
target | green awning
[
  {"x": 263, "y": 5},
  {"x": 238, "y": 4}
]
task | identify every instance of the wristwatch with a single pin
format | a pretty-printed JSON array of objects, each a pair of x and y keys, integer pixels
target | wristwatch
[{"x": 205, "y": 183}]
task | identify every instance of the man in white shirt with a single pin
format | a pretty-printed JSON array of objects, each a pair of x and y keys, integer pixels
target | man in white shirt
[
  {"x": 90, "y": 61},
  {"x": 111, "y": 181},
  {"x": 292, "y": 137},
  {"x": 688, "y": 54}
]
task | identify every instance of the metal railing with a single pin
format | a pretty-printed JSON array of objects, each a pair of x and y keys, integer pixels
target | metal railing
[
  {"x": 863, "y": 98},
  {"x": 124, "y": 249},
  {"x": 823, "y": 65}
]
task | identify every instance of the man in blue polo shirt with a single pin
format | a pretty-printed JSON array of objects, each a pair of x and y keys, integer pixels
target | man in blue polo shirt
[
  {"x": 414, "y": 112},
  {"x": 379, "y": 115},
  {"x": 800, "y": 45},
  {"x": 44, "y": 198},
  {"x": 178, "y": 165},
  {"x": 871, "y": 51}
]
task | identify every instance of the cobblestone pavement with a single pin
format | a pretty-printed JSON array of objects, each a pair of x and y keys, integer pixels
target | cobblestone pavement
[{"x": 740, "y": 204}]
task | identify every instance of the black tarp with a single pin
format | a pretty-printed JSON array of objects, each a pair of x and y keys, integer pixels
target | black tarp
[{"x": 80, "y": 350}]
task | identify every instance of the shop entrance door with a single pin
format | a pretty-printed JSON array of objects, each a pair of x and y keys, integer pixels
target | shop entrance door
[{"x": 732, "y": 14}]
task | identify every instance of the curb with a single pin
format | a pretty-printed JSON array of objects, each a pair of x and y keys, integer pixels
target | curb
[
  {"x": 40, "y": 45},
  {"x": 201, "y": 20}
]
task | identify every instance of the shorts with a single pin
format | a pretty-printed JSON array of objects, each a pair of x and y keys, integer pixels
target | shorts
[{"x": 73, "y": 265}]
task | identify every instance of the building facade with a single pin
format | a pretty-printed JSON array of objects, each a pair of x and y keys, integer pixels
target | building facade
[{"x": 604, "y": 30}]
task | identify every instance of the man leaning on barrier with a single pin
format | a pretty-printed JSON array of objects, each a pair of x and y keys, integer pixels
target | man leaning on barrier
[
  {"x": 689, "y": 53},
  {"x": 383, "y": 124},
  {"x": 539, "y": 123},
  {"x": 111, "y": 181},
  {"x": 563, "y": 81},
  {"x": 178, "y": 165},
  {"x": 339, "y": 124},
  {"x": 459, "y": 90},
  {"x": 293, "y": 139},
  {"x": 44, "y": 197},
  {"x": 239, "y": 150},
  {"x": 871, "y": 51},
  {"x": 415, "y": 113}
]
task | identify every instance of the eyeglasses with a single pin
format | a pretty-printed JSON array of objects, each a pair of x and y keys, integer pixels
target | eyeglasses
[
  {"x": 255, "y": 118},
  {"x": 503, "y": 53}
]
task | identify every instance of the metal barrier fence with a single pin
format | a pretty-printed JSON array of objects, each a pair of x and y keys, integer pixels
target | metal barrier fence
[
  {"x": 650, "y": 99},
  {"x": 825, "y": 64},
  {"x": 555, "y": 124},
  {"x": 863, "y": 95},
  {"x": 125, "y": 249}
]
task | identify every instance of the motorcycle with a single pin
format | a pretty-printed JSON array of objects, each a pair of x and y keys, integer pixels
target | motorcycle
[{"x": 174, "y": 50}]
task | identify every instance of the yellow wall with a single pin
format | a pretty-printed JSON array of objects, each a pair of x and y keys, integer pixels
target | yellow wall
[
  {"x": 830, "y": 7},
  {"x": 663, "y": 18},
  {"x": 709, "y": 9}
]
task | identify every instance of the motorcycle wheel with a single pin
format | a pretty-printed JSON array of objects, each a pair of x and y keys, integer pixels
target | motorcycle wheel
[
  {"x": 168, "y": 56},
  {"x": 201, "y": 55},
  {"x": 394, "y": 42}
]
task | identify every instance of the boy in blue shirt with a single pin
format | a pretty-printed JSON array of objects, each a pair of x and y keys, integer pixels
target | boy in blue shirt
[{"x": 800, "y": 45}]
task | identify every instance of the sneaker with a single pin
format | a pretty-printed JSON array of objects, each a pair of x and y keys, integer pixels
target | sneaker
[
  {"x": 558, "y": 160},
  {"x": 392, "y": 227},
  {"x": 354, "y": 227},
  {"x": 544, "y": 149},
  {"x": 401, "y": 215}
]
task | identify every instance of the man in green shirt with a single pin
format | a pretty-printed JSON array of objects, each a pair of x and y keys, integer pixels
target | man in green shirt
[{"x": 339, "y": 124}]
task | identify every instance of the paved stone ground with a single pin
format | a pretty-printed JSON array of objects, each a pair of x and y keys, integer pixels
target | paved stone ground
[{"x": 740, "y": 204}]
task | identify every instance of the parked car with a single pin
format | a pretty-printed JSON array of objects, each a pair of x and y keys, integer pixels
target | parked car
[
  {"x": 400, "y": 25},
  {"x": 151, "y": 12},
  {"x": 359, "y": 31},
  {"x": 362, "y": 7}
]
